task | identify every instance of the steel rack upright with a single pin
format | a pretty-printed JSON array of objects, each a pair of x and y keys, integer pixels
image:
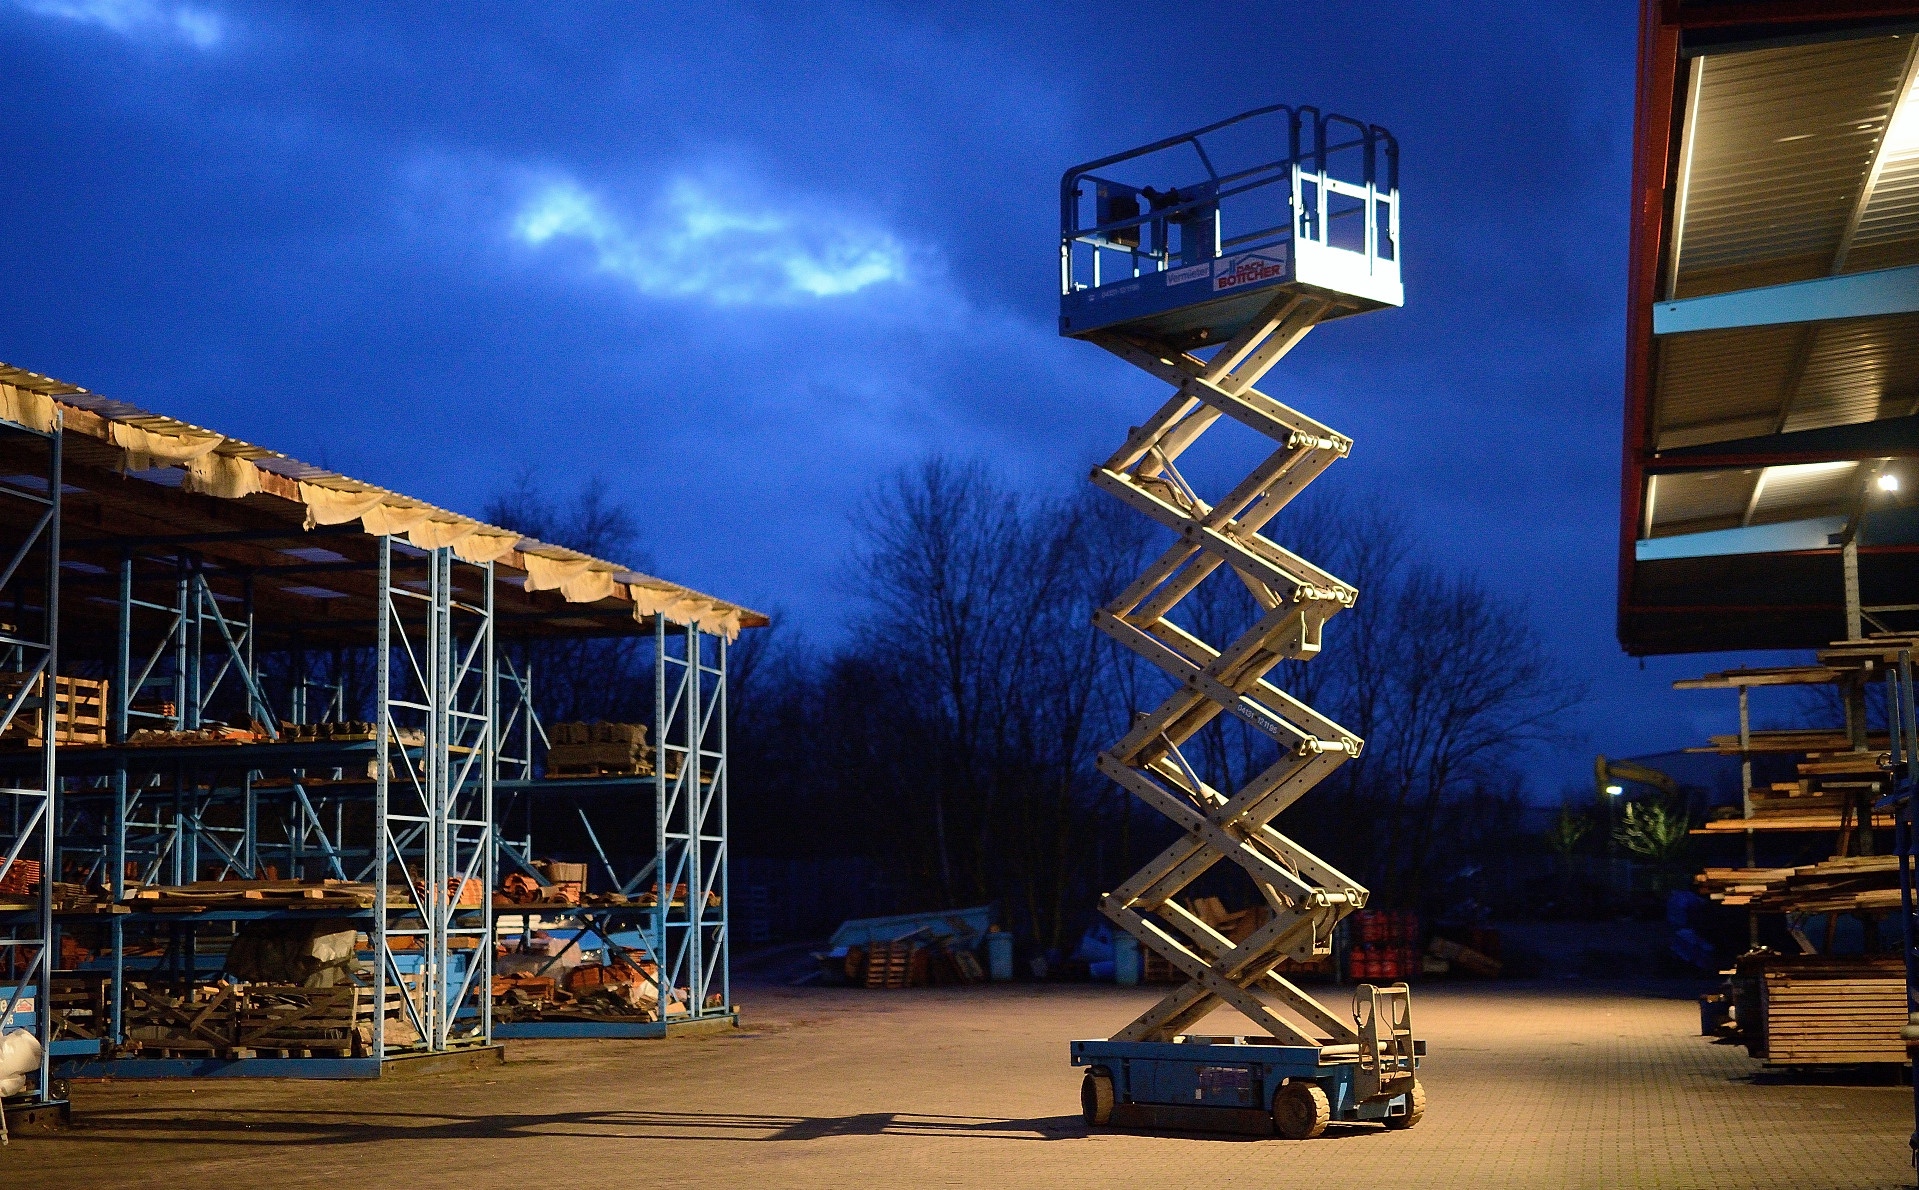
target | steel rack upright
[
  {"x": 29, "y": 654},
  {"x": 683, "y": 939}
]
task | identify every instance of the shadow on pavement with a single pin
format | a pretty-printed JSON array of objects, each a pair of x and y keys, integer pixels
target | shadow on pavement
[
  {"x": 157, "y": 1126},
  {"x": 312, "y": 1127}
]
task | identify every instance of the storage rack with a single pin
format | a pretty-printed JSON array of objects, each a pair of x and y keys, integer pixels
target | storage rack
[
  {"x": 684, "y": 939},
  {"x": 406, "y": 807},
  {"x": 352, "y": 670},
  {"x": 1815, "y": 1007}
]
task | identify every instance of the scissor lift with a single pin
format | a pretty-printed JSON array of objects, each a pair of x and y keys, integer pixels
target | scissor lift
[{"x": 1243, "y": 263}]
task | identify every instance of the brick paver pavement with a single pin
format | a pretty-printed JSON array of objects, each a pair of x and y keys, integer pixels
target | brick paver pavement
[{"x": 1532, "y": 1086}]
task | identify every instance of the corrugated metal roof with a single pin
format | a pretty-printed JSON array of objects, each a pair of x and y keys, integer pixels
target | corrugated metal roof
[
  {"x": 1858, "y": 370},
  {"x": 1693, "y": 502},
  {"x": 1701, "y": 501},
  {"x": 1785, "y": 180},
  {"x": 1782, "y": 140},
  {"x": 1718, "y": 385},
  {"x": 283, "y": 465},
  {"x": 1805, "y": 490}
]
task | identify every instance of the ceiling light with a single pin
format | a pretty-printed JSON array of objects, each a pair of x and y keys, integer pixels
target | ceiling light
[{"x": 1902, "y": 129}]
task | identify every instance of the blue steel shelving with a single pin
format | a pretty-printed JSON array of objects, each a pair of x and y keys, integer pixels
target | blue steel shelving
[
  {"x": 407, "y": 810},
  {"x": 195, "y": 612},
  {"x": 685, "y": 939}
]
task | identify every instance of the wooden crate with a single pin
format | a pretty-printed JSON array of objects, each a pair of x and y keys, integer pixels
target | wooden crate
[{"x": 80, "y": 710}]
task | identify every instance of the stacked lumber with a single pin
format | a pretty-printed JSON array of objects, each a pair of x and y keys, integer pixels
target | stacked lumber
[
  {"x": 1819, "y": 1010},
  {"x": 78, "y": 898},
  {"x": 1794, "y": 739},
  {"x": 317, "y": 895},
  {"x": 79, "y": 711},
  {"x": 598, "y": 750},
  {"x": 1847, "y": 884},
  {"x": 1845, "y": 764},
  {"x": 1831, "y": 820},
  {"x": 1792, "y": 799}
]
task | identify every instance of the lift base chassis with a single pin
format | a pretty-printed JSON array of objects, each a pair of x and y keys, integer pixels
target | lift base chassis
[{"x": 1225, "y": 1084}]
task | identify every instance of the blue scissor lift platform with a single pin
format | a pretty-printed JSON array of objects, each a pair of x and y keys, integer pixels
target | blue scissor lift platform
[{"x": 1203, "y": 259}]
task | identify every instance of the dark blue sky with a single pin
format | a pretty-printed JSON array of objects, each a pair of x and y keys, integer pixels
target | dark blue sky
[{"x": 741, "y": 259}]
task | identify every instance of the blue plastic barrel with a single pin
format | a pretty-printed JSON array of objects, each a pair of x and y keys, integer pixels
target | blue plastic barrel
[
  {"x": 1125, "y": 960},
  {"x": 999, "y": 957}
]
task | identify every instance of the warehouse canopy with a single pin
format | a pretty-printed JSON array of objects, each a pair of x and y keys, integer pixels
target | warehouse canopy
[
  {"x": 303, "y": 535},
  {"x": 1772, "y": 402}
]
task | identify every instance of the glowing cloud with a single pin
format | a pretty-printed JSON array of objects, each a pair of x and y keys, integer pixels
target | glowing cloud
[
  {"x": 144, "y": 19},
  {"x": 695, "y": 246}
]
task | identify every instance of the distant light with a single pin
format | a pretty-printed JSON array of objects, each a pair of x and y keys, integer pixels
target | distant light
[
  {"x": 1615, "y": 790},
  {"x": 1888, "y": 482}
]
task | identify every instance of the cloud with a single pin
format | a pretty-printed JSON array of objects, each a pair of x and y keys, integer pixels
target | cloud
[
  {"x": 694, "y": 245},
  {"x": 143, "y": 19}
]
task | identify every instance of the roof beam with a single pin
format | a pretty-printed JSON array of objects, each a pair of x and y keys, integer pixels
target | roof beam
[
  {"x": 1892, "y": 437},
  {"x": 1814, "y": 533},
  {"x": 1681, "y": 15},
  {"x": 1853, "y": 295}
]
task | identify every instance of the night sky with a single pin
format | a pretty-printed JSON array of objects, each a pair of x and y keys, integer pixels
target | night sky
[{"x": 742, "y": 259}]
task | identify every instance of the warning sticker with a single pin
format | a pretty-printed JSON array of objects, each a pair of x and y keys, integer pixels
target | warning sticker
[{"x": 1250, "y": 268}]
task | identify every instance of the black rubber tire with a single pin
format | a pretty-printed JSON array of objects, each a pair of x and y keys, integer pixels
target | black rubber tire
[
  {"x": 1096, "y": 1098},
  {"x": 1301, "y": 1111},
  {"x": 1415, "y": 1108}
]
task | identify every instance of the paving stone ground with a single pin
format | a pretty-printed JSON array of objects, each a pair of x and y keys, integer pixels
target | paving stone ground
[{"x": 1530, "y": 1086}]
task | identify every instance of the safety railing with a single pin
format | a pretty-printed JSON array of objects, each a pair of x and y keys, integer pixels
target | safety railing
[{"x": 1335, "y": 187}]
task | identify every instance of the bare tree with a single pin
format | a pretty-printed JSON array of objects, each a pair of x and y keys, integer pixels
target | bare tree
[
  {"x": 581, "y": 678},
  {"x": 952, "y": 737}
]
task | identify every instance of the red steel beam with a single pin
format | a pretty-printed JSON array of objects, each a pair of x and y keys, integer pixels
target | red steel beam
[
  {"x": 1676, "y": 14},
  {"x": 1653, "y": 134}
]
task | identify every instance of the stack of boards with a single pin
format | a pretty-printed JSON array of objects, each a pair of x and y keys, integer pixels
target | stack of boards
[
  {"x": 1819, "y": 1010},
  {"x": 1844, "y": 884}
]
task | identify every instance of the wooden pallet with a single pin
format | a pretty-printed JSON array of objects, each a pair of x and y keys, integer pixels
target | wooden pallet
[
  {"x": 890, "y": 964},
  {"x": 319, "y": 895},
  {"x": 555, "y": 772},
  {"x": 253, "y": 1020}
]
